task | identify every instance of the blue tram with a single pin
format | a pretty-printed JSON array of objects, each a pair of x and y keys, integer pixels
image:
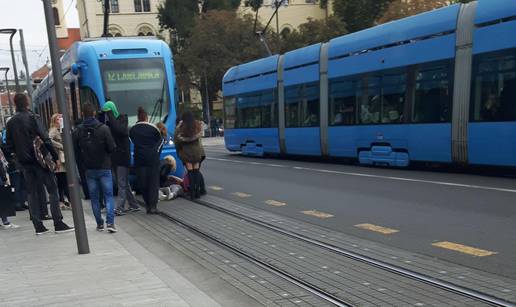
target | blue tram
[
  {"x": 436, "y": 87},
  {"x": 131, "y": 72}
]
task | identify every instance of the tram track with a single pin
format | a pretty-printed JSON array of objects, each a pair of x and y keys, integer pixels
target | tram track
[{"x": 316, "y": 290}]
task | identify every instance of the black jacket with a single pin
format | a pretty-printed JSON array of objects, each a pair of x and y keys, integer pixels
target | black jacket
[
  {"x": 147, "y": 142},
  {"x": 94, "y": 143},
  {"x": 21, "y": 130},
  {"x": 120, "y": 132}
]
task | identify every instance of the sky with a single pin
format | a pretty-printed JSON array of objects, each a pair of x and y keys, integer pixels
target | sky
[{"x": 29, "y": 16}]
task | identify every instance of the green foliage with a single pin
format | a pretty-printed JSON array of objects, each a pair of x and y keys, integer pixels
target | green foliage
[
  {"x": 400, "y": 8},
  {"x": 178, "y": 15},
  {"x": 360, "y": 14},
  {"x": 254, "y": 4}
]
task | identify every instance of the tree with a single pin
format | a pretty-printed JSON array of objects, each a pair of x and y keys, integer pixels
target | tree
[
  {"x": 360, "y": 14},
  {"x": 218, "y": 41},
  {"x": 400, "y": 8}
]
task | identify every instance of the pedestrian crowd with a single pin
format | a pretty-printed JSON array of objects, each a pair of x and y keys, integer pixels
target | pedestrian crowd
[{"x": 33, "y": 166}]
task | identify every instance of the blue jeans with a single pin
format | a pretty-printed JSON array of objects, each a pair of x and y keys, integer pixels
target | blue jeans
[{"x": 96, "y": 179}]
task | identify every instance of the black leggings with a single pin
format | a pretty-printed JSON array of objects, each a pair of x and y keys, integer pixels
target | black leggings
[{"x": 62, "y": 185}]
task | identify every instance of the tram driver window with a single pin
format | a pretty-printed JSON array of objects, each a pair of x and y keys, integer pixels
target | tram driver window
[{"x": 494, "y": 87}]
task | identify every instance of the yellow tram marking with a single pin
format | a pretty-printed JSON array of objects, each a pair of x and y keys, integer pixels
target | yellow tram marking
[
  {"x": 376, "y": 228},
  {"x": 275, "y": 203},
  {"x": 464, "y": 249},
  {"x": 317, "y": 214},
  {"x": 216, "y": 188},
  {"x": 242, "y": 195}
]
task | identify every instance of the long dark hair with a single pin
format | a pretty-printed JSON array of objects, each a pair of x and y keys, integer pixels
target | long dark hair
[{"x": 190, "y": 126}]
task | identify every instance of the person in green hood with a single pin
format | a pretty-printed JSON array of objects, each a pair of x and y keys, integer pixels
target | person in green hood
[{"x": 121, "y": 158}]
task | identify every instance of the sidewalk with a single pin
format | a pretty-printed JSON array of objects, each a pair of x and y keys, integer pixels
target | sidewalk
[{"x": 47, "y": 271}]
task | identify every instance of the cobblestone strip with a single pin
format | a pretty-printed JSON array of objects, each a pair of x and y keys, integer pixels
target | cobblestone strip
[
  {"x": 254, "y": 281},
  {"x": 497, "y": 286},
  {"x": 363, "y": 284}
]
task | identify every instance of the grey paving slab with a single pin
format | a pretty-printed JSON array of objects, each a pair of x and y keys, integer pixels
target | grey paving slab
[{"x": 47, "y": 271}]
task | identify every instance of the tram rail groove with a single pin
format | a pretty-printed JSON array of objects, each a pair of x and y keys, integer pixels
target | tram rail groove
[
  {"x": 262, "y": 264},
  {"x": 443, "y": 285}
]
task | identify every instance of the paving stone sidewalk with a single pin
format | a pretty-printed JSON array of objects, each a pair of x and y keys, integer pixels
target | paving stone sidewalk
[{"x": 46, "y": 270}]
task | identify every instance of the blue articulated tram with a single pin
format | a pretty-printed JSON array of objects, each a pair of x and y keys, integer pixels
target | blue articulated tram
[
  {"x": 131, "y": 72},
  {"x": 435, "y": 87}
]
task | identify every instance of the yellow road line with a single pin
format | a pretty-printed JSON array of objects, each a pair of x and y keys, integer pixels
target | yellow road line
[
  {"x": 242, "y": 195},
  {"x": 464, "y": 249},
  {"x": 317, "y": 214},
  {"x": 216, "y": 188},
  {"x": 376, "y": 228},
  {"x": 275, "y": 203}
]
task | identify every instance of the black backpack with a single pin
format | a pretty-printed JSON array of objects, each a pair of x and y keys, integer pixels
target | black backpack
[{"x": 91, "y": 145}]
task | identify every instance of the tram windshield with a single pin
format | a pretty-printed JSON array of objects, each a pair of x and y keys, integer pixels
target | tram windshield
[{"x": 132, "y": 83}]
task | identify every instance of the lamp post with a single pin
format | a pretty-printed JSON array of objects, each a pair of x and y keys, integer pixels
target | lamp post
[
  {"x": 81, "y": 235},
  {"x": 6, "y": 69},
  {"x": 12, "y": 32}
]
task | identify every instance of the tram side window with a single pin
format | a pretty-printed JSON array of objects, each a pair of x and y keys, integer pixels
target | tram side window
[
  {"x": 87, "y": 95},
  {"x": 229, "y": 112},
  {"x": 257, "y": 110},
  {"x": 433, "y": 97},
  {"x": 494, "y": 87},
  {"x": 371, "y": 104},
  {"x": 302, "y": 105},
  {"x": 343, "y": 99},
  {"x": 393, "y": 96}
]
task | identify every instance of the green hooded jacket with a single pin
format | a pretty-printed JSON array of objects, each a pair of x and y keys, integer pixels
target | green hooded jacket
[{"x": 110, "y": 106}]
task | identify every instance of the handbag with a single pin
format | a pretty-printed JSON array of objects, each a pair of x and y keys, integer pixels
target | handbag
[{"x": 43, "y": 157}]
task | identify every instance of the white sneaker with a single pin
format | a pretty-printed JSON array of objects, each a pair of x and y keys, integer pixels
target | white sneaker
[
  {"x": 10, "y": 226},
  {"x": 162, "y": 196}
]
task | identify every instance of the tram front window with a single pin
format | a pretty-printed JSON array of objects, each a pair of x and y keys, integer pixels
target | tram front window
[{"x": 133, "y": 83}]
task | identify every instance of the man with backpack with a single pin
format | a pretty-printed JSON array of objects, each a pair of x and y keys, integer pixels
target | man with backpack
[
  {"x": 94, "y": 144},
  {"x": 24, "y": 134}
]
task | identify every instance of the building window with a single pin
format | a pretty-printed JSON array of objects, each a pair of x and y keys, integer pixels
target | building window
[
  {"x": 57, "y": 21},
  {"x": 145, "y": 31},
  {"x": 142, "y": 6},
  {"x": 114, "y": 6}
]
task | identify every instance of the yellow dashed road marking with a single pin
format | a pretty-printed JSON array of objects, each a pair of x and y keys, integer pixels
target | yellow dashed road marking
[
  {"x": 375, "y": 228},
  {"x": 242, "y": 195},
  {"x": 317, "y": 214},
  {"x": 275, "y": 203},
  {"x": 216, "y": 188},
  {"x": 464, "y": 249}
]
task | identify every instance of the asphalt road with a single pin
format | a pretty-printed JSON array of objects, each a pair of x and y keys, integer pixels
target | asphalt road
[{"x": 417, "y": 208}]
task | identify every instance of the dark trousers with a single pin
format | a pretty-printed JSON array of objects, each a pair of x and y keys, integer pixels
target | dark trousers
[
  {"x": 20, "y": 189},
  {"x": 37, "y": 180},
  {"x": 84, "y": 184},
  {"x": 62, "y": 185},
  {"x": 148, "y": 183}
]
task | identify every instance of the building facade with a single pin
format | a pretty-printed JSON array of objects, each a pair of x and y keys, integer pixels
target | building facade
[
  {"x": 127, "y": 18},
  {"x": 291, "y": 13}
]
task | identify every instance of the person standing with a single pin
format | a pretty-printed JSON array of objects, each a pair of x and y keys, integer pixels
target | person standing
[
  {"x": 187, "y": 138},
  {"x": 121, "y": 158},
  {"x": 23, "y": 130},
  {"x": 148, "y": 142},
  {"x": 55, "y": 135},
  {"x": 94, "y": 143}
]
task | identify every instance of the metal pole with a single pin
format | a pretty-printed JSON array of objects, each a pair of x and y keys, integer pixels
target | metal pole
[
  {"x": 14, "y": 63},
  {"x": 207, "y": 113},
  {"x": 71, "y": 171},
  {"x": 26, "y": 64},
  {"x": 106, "y": 18},
  {"x": 8, "y": 94}
]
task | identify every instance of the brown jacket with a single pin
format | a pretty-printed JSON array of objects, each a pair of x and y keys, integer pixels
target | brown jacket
[{"x": 189, "y": 149}]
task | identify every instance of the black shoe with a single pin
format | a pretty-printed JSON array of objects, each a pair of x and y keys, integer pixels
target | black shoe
[
  {"x": 134, "y": 209},
  {"x": 46, "y": 218},
  {"x": 119, "y": 212},
  {"x": 61, "y": 227},
  {"x": 111, "y": 228},
  {"x": 41, "y": 230},
  {"x": 100, "y": 228},
  {"x": 154, "y": 211}
]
